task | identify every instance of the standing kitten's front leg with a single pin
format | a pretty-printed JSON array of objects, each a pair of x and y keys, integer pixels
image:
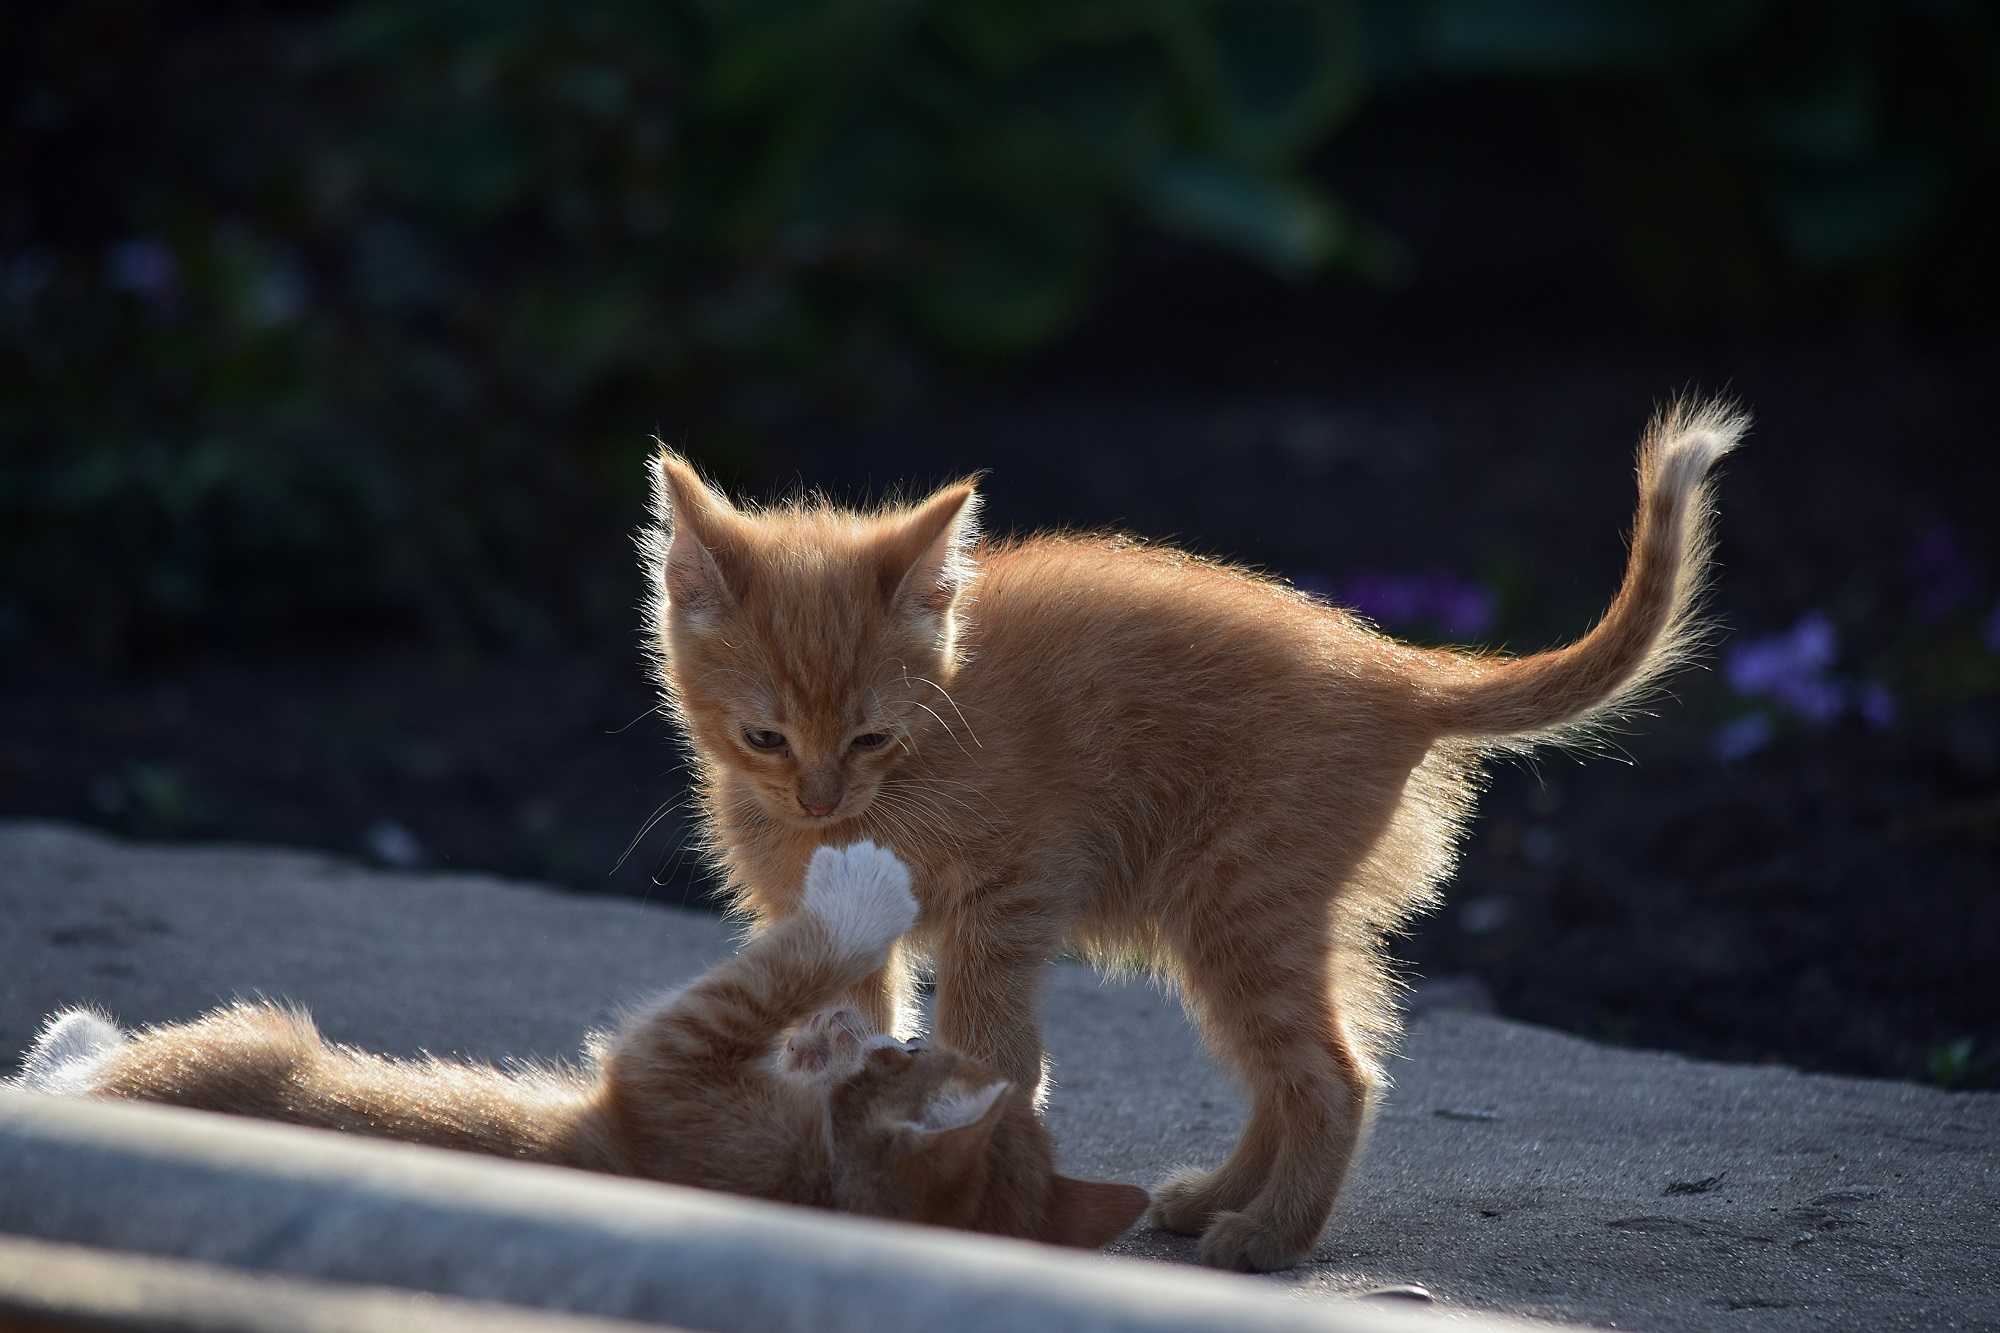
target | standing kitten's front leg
[{"x": 990, "y": 961}]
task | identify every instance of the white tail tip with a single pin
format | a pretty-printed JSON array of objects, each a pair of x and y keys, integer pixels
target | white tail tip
[
  {"x": 1697, "y": 437},
  {"x": 69, "y": 1055}
]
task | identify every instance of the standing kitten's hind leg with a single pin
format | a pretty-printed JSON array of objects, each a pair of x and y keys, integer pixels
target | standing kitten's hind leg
[{"x": 1262, "y": 998}]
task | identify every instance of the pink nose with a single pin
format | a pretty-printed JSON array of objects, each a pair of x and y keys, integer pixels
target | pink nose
[{"x": 815, "y": 810}]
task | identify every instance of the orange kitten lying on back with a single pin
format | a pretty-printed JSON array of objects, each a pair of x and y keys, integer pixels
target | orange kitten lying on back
[
  {"x": 1092, "y": 743},
  {"x": 694, "y": 1091}
]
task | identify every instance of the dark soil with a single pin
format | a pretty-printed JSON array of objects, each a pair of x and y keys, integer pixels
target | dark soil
[
  {"x": 547, "y": 768},
  {"x": 1831, "y": 901}
]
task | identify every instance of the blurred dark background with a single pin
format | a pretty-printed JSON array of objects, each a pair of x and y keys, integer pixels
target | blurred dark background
[{"x": 333, "y": 336}]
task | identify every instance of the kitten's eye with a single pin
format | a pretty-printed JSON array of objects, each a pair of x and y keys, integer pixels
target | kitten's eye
[
  {"x": 873, "y": 740},
  {"x": 764, "y": 740}
]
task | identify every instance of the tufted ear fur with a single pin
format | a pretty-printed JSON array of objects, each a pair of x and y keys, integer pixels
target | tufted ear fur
[
  {"x": 958, "y": 1125},
  {"x": 1090, "y": 1214},
  {"x": 926, "y": 558},
  {"x": 695, "y": 565}
]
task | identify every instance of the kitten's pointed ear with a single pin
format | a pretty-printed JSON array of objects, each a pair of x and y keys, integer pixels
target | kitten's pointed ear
[
  {"x": 927, "y": 555},
  {"x": 1090, "y": 1214},
  {"x": 693, "y": 542},
  {"x": 957, "y": 1127}
]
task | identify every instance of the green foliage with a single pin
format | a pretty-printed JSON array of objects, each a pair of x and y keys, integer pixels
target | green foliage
[
  {"x": 1756, "y": 156},
  {"x": 356, "y": 314},
  {"x": 361, "y": 313}
]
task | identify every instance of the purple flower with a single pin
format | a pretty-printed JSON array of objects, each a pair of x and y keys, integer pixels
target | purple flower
[
  {"x": 1876, "y": 705},
  {"x": 1769, "y": 664},
  {"x": 1464, "y": 610},
  {"x": 1790, "y": 669},
  {"x": 1944, "y": 577},
  {"x": 1387, "y": 599},
  {"x": 143, "y": 266},
  {"x": 1461, "y": 609},
  {"x": 1816, "y": 701},
  {"x": 1745, "y": 736}
]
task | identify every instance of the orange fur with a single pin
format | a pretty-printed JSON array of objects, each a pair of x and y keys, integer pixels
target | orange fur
[
  {"x": 1093, "y": 743},
  {"x": 693, "y": 1091}
]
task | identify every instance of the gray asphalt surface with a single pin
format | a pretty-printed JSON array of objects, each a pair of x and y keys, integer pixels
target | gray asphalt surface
[{"x": 1513, "y": 1168}]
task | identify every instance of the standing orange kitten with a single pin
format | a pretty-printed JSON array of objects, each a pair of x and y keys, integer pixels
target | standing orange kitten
[
  {"x": 1092, "y": 743},
  {"x": 694, "y": 1091}
]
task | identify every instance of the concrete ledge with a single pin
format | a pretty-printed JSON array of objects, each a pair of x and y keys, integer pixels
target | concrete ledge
[
  {"x": 280, "y": 1199},
  {"x": 1513, "y": 1169},
  {"x": 45, "y": 1286}
]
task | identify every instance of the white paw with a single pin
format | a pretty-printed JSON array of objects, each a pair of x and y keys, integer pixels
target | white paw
[
  {"x": 70, "y": 1053},
  {"x": 862, "y": 895}
]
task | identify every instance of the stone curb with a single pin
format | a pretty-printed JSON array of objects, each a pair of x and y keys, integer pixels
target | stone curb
[
  {"x": 281, "y": 1199},
  {"x": 47, "y": 1286}
]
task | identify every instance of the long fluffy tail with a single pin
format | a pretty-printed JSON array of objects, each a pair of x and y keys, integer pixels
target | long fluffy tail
[
  {"x": 268, "y": 1061},
  {"x": 70, "y": 1053},
  {"x": 1649, "y": 629}
]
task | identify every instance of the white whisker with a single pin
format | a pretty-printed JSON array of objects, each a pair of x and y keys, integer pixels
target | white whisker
[
  {"x": 942, "y": 723},
  {"x": 666, "y": 808},
  {"x": 913, "y": 813},
  {"x": 954, "y": 705}
]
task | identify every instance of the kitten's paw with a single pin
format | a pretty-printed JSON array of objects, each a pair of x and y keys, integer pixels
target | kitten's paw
[
  {"x": 1184, "y": 1202},
  {"x": 69, "y": 1055},
  {"x": 1242, "y": 1243},
  {"x": 827, "y": 1046},
  {"x": 862, "y": 895}
]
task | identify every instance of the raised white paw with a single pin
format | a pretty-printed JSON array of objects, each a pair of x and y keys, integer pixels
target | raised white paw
[
  {"x": 70, "y": 1053},
  {"x": 862, "y": 895}
]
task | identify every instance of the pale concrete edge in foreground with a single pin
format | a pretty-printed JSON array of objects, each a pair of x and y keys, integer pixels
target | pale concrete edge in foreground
[
  {"x": 282, "y": 1199},
  {"x": 70, "y": 1284}
]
